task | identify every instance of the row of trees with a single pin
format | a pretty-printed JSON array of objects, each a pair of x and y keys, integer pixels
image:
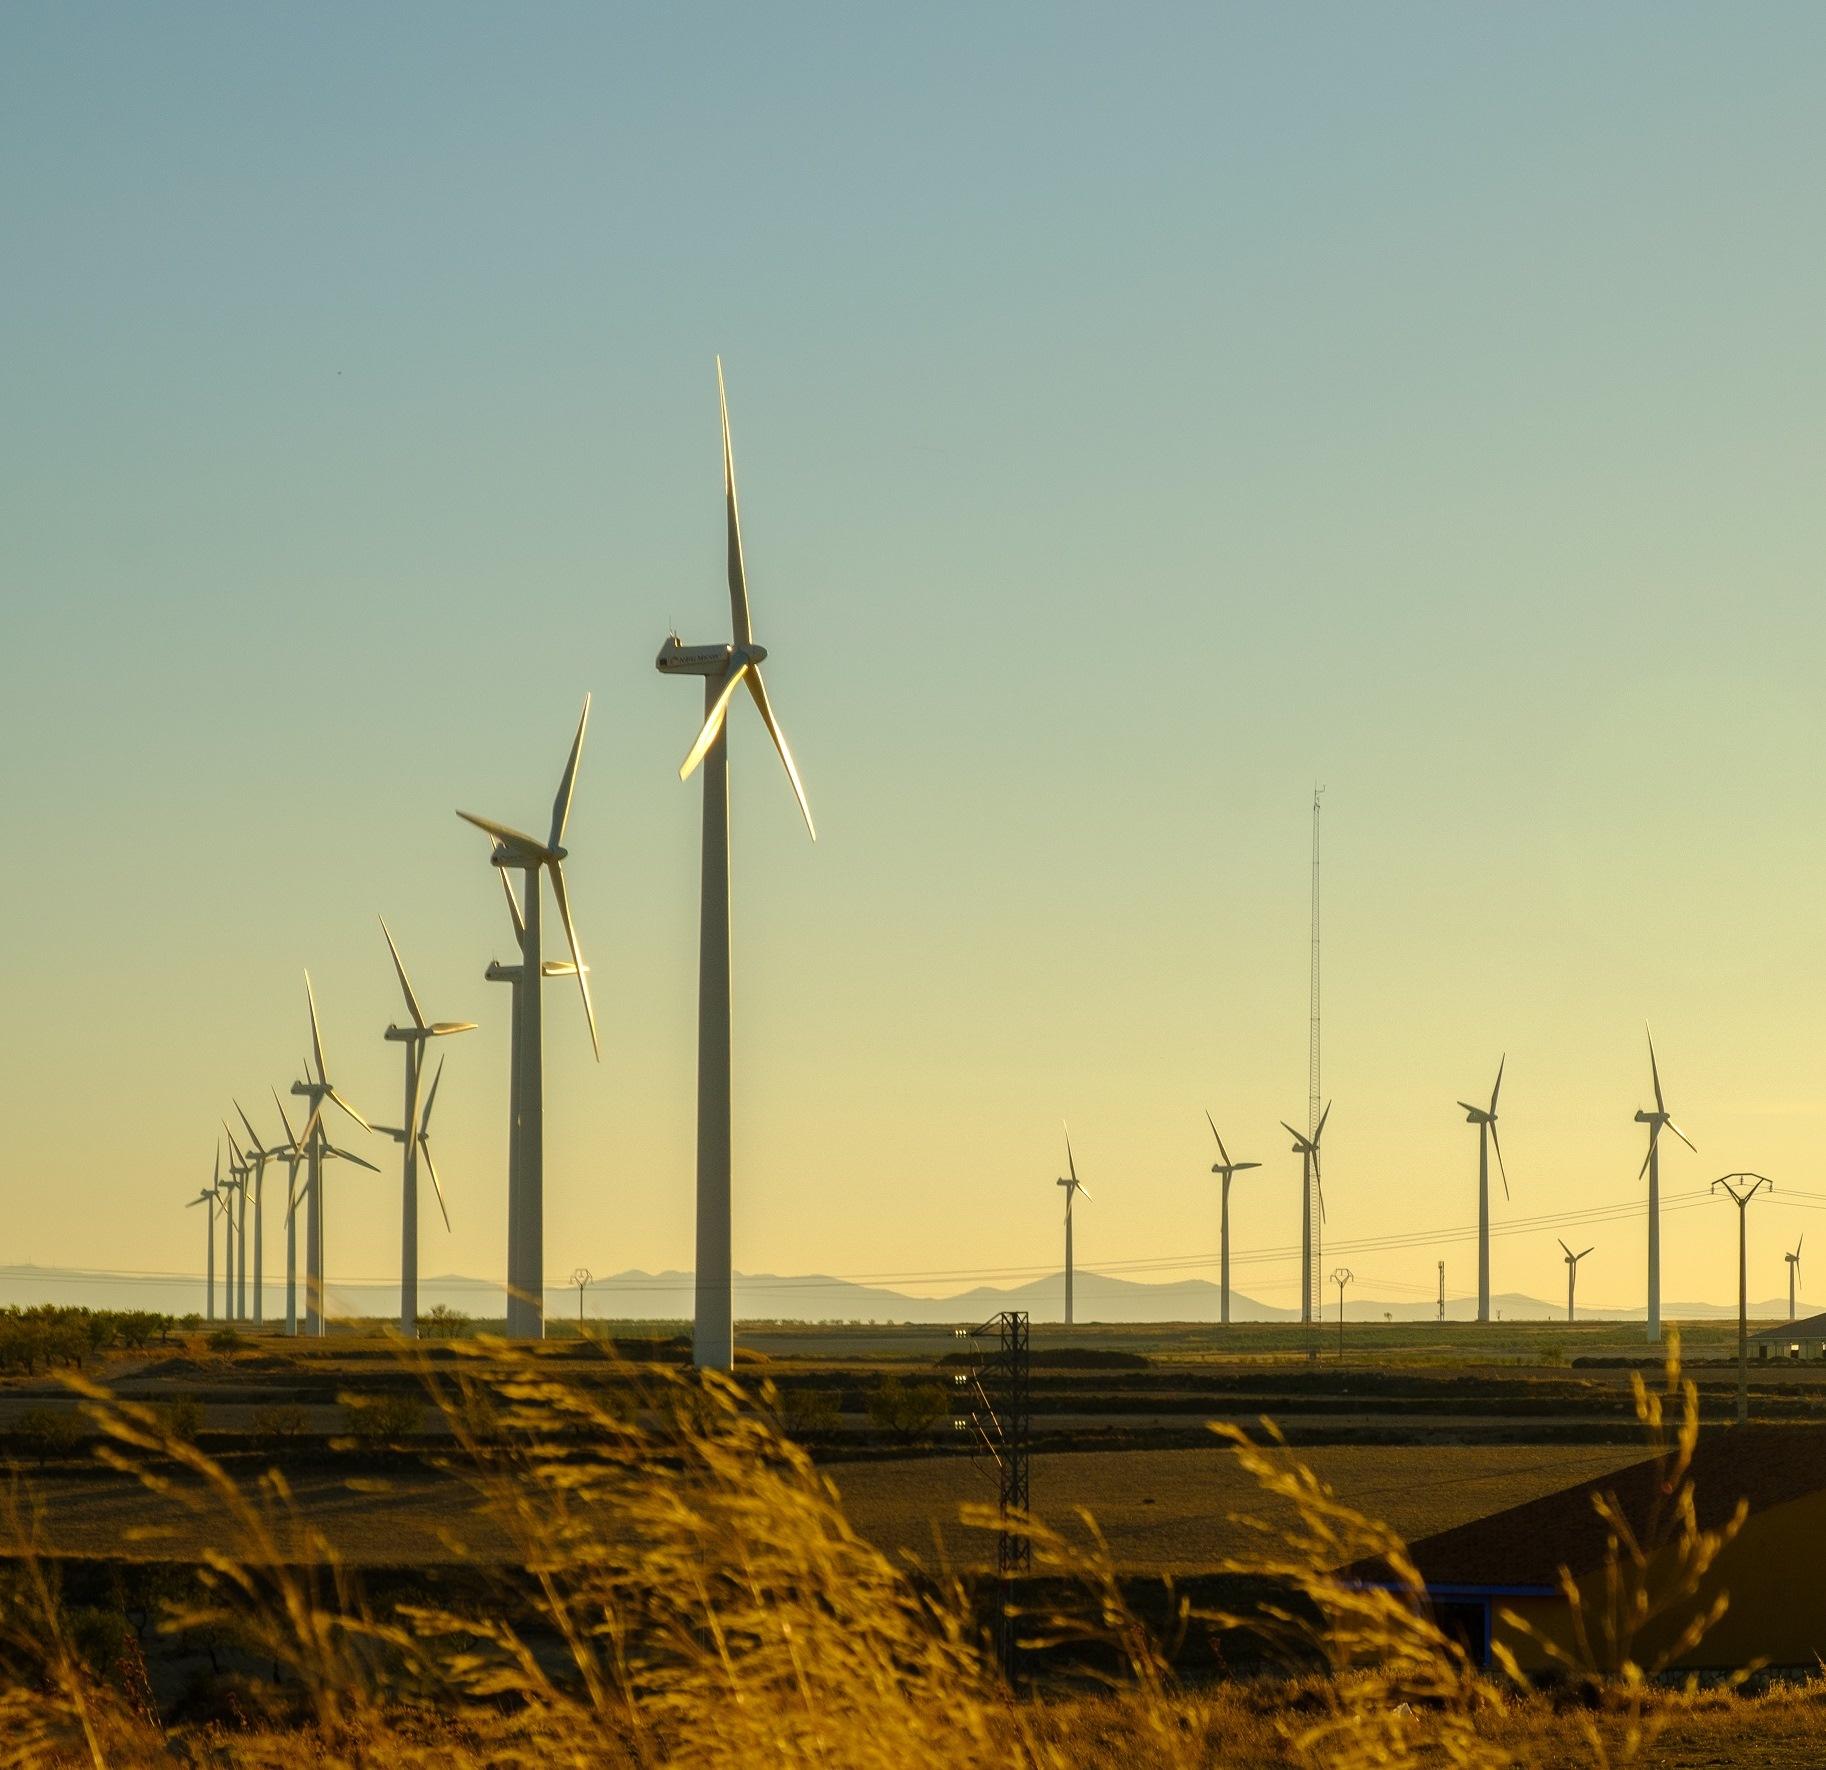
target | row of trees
[{"x": 47, "y": 1334}]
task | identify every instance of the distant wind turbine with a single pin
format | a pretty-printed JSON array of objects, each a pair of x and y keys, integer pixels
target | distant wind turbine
[
  {"x": 320, "y": 1093},
  {"x": 1307, "y": 1149},
  {"x": 1073, "y": 1186},
  {"x": 260, "y": 1155},
  {"x": 725, "y": 668},
  {"x": 526, "y": 1133},
  {"x": 210, "y": 1195},
  {"x": 291, "y": 1152},
  {"x": 1651, "y": 1166},
  {"x": 409, "y": 1135},
  {"x": 1572, "y": 1273},
  {"x": 234, "y": 1276},
  {"x": 1484, "y": 1118},
  {"x": 1228, "y": 1169},
  {"x": 1794, "y": 1273}
]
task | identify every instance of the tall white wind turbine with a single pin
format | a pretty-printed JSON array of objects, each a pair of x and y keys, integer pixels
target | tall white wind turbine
[
  {"x": 1307, "y": 1149},
  {"x": 259, "y": 1155},
  {"x": 1484, "y": 1118},
  {"x": 291, "y": 1152},
  {"x": 526, "y": 1133},
  {"x": 320, "y": 1092},
  {"x": 1073, "y": 1186},
  {"x": 211, "y": 1195},
  {"x": 1794, "y": 1273},
  {"x": 724, "y": 668},
  {"x": 1572, "y": 1273},
  {"x": 1651, "y": 1166},
  {"x": 409, "y": 1134},
  {"x": 1227, "y": 1168},
  {"x": 234, "y": 1277}
]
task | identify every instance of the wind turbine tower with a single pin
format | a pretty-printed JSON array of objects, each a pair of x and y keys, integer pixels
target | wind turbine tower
[
  {"x": 1794, "y": 1273},
  {"x": 526, "y": 1146},
  {"x": 1572, "y": 1273},
  {"x": 1651, "y": 1166},
  {"x": 1225, "y": 1167},
  {"x": 1484, "y": 1118},
  {"x": 1311, "y": 1189},
  {"x": 1073, "y": 1186},
  {"x": 725, "y": 669},
  {"x": 259, "y": 1155}
]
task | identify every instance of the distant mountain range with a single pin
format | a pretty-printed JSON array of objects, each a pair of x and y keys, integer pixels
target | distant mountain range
[{"x": 667, "y": 1296}]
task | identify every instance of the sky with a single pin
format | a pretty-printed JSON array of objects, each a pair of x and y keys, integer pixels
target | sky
[{"x": 1141, "y": 415}]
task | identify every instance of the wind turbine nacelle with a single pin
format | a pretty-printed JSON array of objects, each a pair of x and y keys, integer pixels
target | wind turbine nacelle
[{"x": 678, "y": 659}]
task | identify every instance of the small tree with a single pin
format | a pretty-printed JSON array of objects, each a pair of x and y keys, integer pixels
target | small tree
[{"x": 907, "y": 1411}]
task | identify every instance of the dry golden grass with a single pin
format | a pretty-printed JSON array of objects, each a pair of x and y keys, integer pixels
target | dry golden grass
[{"x": 693, "y": 1593}]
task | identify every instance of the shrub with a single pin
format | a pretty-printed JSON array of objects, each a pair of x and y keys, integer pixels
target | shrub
[
  {"x": 907, "y": 1411},
  {"x": 376, "y": 1420},
  {"x": 280, "y": 1420},
  {"x": 225, "y": 1339},
  {"x": 809, "y": 1413},
  {"x": 49, "y": 1431},
  {"x": 182, "y": 1418},
  {"x": 443, "y": 1323}
]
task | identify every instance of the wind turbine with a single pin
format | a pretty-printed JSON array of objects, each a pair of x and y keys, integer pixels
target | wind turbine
[
  {"x": 292, "y": 1152},
  {"x": 234, "y": 1274},
  {"x": 1307, "y": 1149},
  {"x": 210, "y": 1195},
  {"x": 1651, "y": 1166},
  {"x": 260, "y": 1155},
  {"x": 1484, "y": 1118},
  {"x": 1794, "y": 1273},
  {"x": 1572, "y": 1274},
  {"x": 414, "y": 1038},
  {"x": 526, "y": 1133},
  {"x": 1073, "y": 1186},
  {"x": 1226, "y": 1167},
  {"x": 724, "y": 668},
  {"x": 319, "y": 1093}
]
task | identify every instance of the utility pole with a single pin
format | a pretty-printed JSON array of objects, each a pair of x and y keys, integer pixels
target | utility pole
[
  {"x": 581, "y": 1279},
  {"x": 1742, "y": 1201},
  {"x": 1442, "y": 1291},
  {"x": 1341, "y": 1278},
  {"x": 993, "y": 1403}
]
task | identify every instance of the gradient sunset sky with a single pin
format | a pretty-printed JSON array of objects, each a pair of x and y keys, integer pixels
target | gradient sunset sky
[{"x": 1140, "y": 413}]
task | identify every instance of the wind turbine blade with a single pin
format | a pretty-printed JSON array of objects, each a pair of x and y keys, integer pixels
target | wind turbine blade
[
  {"x": 1070, "y": 1164},
  {"x": 505, "y": 834},
  {"x": 713, "y": 721},
  {"x": 234, "y": 1149},
  {"x": 440, "y": 1029},
  {"x": 287, "y": 1123},
  {"x": 1684, "y": 1138},
  {"x": 1654, "y": 1131},
  {"x": 738, "y": 576},
  {"x": 217, "y": 1181},
  {"x": 424, "y": 1124},
  {"x": 1476, "y": 1112},
  {"x": 1319, "y": 1129},
  {"x": 513, "y": 908},
  {"x": 331, "y": 1094},
  {"x": 1083, "y": 1191},
  {"x": 253, "y": 1136},
  {"x": 1569, "y": 1253},
  {"x": 570, "y": 934},
  {"x": 758, "y": 690},
  {"x": 561, "y": 805},
  {"x": 313, "y": 1123},
  {"x": 1243, "y": 1167},
  {"x": 1580, "y": 1255},
  {"x": 348, "y": 1155},
  {"x": 424, "y": 1149},
  {"x": 1501, "y": 1061},
  {"x": 412, "y": 1007},
  {"x": 1318, "y": 1181},
  {"x": 310, "y": 996},
  {"x": 1299, "y": 1137},
  {"x": 1496, "y": 1143},
  {"x": 1654, "y": 1070}
]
